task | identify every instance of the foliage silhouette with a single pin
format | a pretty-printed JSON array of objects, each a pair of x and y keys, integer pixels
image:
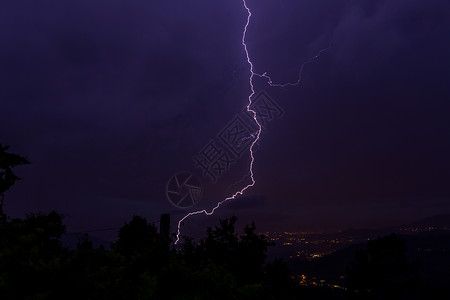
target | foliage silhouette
[
  {"x": 7, "y": 176},
  {"x": 222, "y": 265},
  {"x": 140, "y": 265},
  {"x": 382, "y": 271},
  {"x": 31, "y": 256}
]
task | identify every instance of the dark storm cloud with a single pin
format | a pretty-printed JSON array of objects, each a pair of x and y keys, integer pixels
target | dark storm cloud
[
  {"x": 107, "y": 97},
  {"x": 110, "y": 98},
  {"x": 371, "y": 123}
]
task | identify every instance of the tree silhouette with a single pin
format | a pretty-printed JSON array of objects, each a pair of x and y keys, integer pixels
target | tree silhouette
[
  {"x": 381, "y": 271},
  {"x": 228, "y": 265},
  {"x": 7, "y": 176},
  {"x": 31, "y": 256},
  {"x": 222, "y": 265},
  {"x": 141, "y": 251},
  {"x": 137, "y": 236}
]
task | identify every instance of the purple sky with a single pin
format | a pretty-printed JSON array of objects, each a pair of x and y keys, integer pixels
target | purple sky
[{"x": 109, "y": 99}]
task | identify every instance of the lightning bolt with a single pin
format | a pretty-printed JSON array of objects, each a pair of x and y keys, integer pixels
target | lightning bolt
[
  {"x": 299, "y": 78},
  {"x": 256, "y": 135}
]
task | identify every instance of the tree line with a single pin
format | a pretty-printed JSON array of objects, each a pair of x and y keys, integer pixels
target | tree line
[{"x": 143, "y": 264}]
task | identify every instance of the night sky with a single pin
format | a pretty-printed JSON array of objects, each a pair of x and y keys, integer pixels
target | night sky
[{"x": 109, "y": 99}]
